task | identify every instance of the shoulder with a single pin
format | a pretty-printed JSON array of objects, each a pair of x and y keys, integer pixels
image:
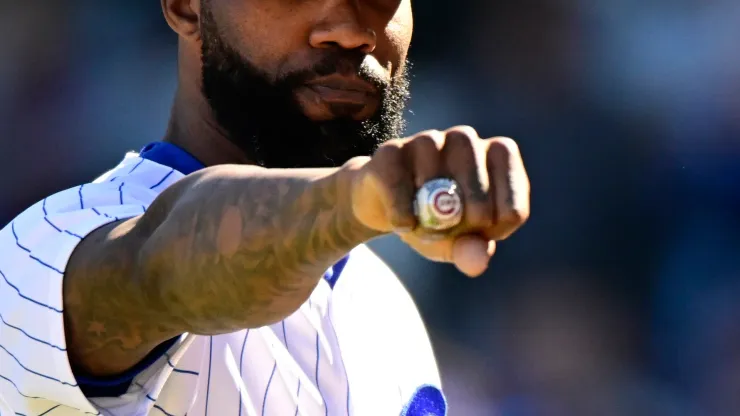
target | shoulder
[
  {"x": 124, "y": 191},
  {"x": 40, "y": 241},
  {"x": 35, "y": 249},
  {"x": 64, "y": 218}
]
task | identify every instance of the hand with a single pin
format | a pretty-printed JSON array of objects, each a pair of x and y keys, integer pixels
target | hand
[{"x": 494, "y": 190}]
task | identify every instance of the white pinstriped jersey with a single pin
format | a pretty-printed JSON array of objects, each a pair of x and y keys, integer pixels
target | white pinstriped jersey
[{"x": 357, "y": 348}]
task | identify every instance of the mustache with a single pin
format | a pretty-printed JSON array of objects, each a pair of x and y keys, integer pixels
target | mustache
[{"x": 342, "y": 62}]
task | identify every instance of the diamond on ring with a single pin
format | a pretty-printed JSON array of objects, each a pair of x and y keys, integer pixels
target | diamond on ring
[{"x": 438, "y": 205}]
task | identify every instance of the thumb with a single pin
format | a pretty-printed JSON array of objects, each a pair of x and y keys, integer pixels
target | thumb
[{"x": 471, "y": 254}]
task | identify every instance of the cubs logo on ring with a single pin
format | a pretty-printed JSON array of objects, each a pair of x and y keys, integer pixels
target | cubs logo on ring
[
  {"x": 438, "y": 205},
  {"x": 445, "y": 203}
]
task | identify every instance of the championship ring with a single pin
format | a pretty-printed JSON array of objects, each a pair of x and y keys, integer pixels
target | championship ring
[{"x": 438, "y": 205}]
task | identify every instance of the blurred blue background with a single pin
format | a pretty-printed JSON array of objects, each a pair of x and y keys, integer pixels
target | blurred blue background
[{"x": 621, "y": 296}]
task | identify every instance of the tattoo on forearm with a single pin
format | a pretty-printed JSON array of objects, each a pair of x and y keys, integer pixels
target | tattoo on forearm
[{"x": 224, "y": 255}]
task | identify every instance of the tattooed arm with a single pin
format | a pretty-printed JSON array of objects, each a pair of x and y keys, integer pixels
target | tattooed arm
[
  {"x": 226, "y": 248},
  {"x": 236, "y": 247}
]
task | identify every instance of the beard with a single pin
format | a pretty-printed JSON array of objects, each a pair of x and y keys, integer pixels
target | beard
[{"x": 262, "y": 117}]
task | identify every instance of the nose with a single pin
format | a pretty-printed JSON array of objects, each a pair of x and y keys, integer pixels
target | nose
[{"x": 343, "y": 27}]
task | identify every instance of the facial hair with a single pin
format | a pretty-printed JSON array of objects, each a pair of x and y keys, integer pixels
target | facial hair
[{"x": 262, "y": 117}]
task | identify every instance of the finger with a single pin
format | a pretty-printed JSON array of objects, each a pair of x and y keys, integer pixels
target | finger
[
  {"x": 472, "y": 253},
  {"x": 510, "y": 187},
  {"x": 464, "y": 158},
  {"x": 434, "y": 249},
  {"x": 423, "y": 154},
  {"x": 394, "y": 182},
  {"x": 455, "y": 250}
]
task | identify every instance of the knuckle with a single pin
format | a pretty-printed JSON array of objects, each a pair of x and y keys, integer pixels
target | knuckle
[
  {"x": 515, "y": 216},
  {"x": 391, "y": 145},
  {"x": 504, "y": 146},
  {"x": 429, "y": 138},
  {"x": 356, "y": 163},
  {"x": 434, "y": 133},
  {"x": 390, "y": 150},
  {"x": 465, "y": 131},
  {"x": 388, "y": 170},
  {"x": 461, "y": 137}
]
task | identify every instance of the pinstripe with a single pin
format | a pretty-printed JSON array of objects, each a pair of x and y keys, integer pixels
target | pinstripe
[
  {"x": 136, "y": 166},
  {"x": 17, "y": 240},
  {"x": 241, "y": 365},
  {"x": 45, "y": 264},
  {"x": 50, "y": 410},
  {"x": 18, "y": 291},
  {"x": 158, "y": 407},
  {"x": 29, "y": 336},
  {"x": 298, "y": 390},
  {"x": 267, "y": 389},
  {"x": 210, "y": 363},
  {"x": 318, "y": 385},
  {"x": 35, "y": 372},
  {"x": 297, "y": 394},
  {"x": 79, "y": 193},
  {"x": 163, "y": 179}
]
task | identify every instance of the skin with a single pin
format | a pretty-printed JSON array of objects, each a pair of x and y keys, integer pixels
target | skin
[{"x": 237, "y": 246}]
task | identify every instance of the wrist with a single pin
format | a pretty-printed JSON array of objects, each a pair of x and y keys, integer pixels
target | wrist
[{"x": 346, "y": 181}]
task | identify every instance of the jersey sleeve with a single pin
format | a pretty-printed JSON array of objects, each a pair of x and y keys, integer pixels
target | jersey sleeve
[
  {"x": 394, "y": 351},
  {"x": 35, "y": 373}
]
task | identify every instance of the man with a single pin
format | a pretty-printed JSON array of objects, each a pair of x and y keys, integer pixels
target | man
[{"x": 192, "y": 278}]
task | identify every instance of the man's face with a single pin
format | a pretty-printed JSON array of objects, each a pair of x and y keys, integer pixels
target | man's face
[{"x": 306, "y": 83}]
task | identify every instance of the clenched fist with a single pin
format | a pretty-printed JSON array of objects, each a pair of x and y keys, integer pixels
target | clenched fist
[{"x": 493, "y": 186}]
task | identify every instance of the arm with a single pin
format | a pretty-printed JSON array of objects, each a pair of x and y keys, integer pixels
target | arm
[
  {"x": 227, "y": 248},
  {"x": 235, "y": 247}
]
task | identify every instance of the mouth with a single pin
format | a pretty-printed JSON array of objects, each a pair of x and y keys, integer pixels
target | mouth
[
  {"x": 336, "y": 95},
  {"x": 348, "y": 83},
  {"x": 331, "y": 95},
  {"x": 338, "y": 89}
]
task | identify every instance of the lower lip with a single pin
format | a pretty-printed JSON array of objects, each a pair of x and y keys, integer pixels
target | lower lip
[{"x": 332, "y": 95}]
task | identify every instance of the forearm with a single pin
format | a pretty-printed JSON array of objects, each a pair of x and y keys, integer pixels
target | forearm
[
  {"x": 228, "y": 248},
  {"x": 244, "y": 248}
]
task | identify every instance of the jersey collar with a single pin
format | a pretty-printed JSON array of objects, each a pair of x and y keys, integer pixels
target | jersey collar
[{"x": 172, "y": 156}]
